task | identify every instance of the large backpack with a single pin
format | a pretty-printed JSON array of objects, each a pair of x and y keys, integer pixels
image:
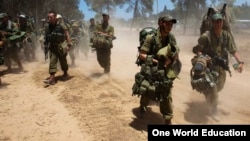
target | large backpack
[
  {"x": 142, "y": 36},
  {"x": 206, "y": 23}
]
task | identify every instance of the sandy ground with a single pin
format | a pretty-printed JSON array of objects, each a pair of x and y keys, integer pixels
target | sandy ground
[{"x": 91, "y": 106}]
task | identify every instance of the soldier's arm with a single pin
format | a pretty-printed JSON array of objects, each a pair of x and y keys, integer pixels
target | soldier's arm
[
  {"x": 145, "y": 49},
  {"x": 66, "y": 32}
]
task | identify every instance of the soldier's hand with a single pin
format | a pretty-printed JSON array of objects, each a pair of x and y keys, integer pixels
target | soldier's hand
[
  {"x": 69, "y": 46},
  {"x": 240, "y": 67}
]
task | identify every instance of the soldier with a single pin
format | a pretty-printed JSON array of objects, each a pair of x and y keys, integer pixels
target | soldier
[
  {"x": 29, "y": 45},
  {"x": 57, "y": 39},
  {"x": 76, "y": 36},
  {"x": 91, "y": 30},
  {"x": 160, "y": 50},
  {"x": 102, "y": 42},
  {"x": 41, "y": 38},
  {"x": 217, "y": 43},
  {"x": 8, "y": 28}
]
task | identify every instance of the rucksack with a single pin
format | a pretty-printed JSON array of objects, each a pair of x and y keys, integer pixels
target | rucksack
[
  {"x": 206, "y": 23},
  {"x": 142, "y": 36}
]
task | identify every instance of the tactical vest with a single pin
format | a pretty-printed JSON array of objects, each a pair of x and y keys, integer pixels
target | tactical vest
[{"x": 54, "y": 34}]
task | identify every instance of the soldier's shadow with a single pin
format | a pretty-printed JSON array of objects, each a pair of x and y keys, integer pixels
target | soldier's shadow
[
  {"x": 13, "y": 71},
  {"x": 96, "y": 75},
  {"x": 197, "y": 112},
  {"x": 61, "y": 78},
  {"x": 149, "y": 117},
  {"x": 4, "y": 85}
]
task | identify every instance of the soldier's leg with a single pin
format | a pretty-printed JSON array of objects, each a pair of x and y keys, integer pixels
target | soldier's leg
[
  {"x": 144, "y": 101},
  {"x": 53, "y": 59},
  {"x": 15, "y": 57},
  {"x": 221, "y": 80},
  {"x": 99, "y": 56},
  {"x": 72, "y": 56},
  {"x": 7, "y": 60},
  {"x": 166, "y": 108},
  {"x": 212, "y": 99},
  {"x": 107, "y": 59},
  {"x": 64, "y": 65},
  {"x": 27, "y": 52}
]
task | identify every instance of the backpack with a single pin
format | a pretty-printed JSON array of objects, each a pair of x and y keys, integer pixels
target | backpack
[
  {"x": 102, "y": 41},
  {"x": 206, "y": 23},
  {"x": 142, "y": 36}
]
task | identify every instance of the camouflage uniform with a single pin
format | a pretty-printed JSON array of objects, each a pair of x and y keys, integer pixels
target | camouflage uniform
[
  {"x": 54, "y": 37},
  {"x": 91, "y": 29},
  {"x": 28, "y": 46},
  {"x": 104, "y": 53},
  {"x": 76, "y": 36},
  {"x": 212, "y": 45},
  {"x": 166, "y": 107},
  {"x": 11, "y": 47}
]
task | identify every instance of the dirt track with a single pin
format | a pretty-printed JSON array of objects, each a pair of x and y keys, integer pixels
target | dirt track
[{"x": 92, "y": 107}]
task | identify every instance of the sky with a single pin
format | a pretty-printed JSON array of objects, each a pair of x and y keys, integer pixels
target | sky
[{"x": 120, "y": 12}]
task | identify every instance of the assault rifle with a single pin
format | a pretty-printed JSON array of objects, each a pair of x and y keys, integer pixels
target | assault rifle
[
  {"x": 222, "y": 63},
  {"x": 46, "y": 51}
]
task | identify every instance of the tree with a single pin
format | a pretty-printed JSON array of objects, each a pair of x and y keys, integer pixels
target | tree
[
  {"x": 38, "y": 9},
  {"x": 186, "y": 9}
]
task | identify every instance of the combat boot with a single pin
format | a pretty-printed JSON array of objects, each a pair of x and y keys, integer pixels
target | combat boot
[
  {"x": 142, "y": 109},
  {"x": 50, "y": 81}
]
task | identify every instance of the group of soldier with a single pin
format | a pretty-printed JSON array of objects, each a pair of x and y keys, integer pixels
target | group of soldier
[
  {"x": 159, "y": 54},
  {"x": 20, "y": 39}
]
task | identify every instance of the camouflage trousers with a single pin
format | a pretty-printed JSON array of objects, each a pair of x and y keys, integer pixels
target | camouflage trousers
[
  {"x": 166, "y": 106},
  {"x": 104, "y": 58},
  {"x": 11, "y": 53},
  {"x": 212, "y": 94},
  {"x": 54, "y": 56}
]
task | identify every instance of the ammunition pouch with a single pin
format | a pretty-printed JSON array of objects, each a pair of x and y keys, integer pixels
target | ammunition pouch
[
  {"x": 56, "y": 37},
  {"x": 203, "y": 77},
  {"x": 62, "y": 48},
  {"x": 203, "y": 83},
  {"x": 151, "y": 82}
]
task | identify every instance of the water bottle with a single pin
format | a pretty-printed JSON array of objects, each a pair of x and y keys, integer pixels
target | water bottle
[{"x": 234, "y": 62}]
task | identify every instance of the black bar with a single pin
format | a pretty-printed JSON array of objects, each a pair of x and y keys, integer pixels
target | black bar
[{"x": 157, "y": 132}]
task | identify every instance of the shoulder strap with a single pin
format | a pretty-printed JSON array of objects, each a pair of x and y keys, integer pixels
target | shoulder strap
[{"x": 208, "y": 34}]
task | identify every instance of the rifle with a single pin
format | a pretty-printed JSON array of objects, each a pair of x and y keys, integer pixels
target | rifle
[
  {"x": 46, "y": 51},
  {"x": 222, "y": 63}
]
